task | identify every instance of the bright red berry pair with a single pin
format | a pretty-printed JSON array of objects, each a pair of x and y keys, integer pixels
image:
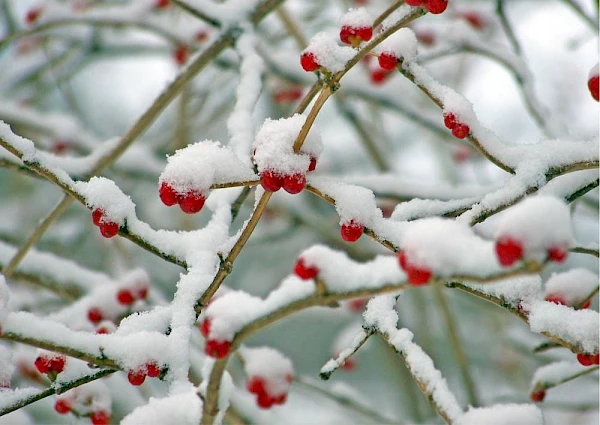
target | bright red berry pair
[
  {"x": 388, "y": 61},
  {"x": 588, "y": 359},
  {"x": 271, "y": 181},
  {"x": 108, "y": 228},
  {"x": 50, "y": 363},
  {"x": 594, "y": 87},
  {"x": 309, "y": 62},
  {"x": 304, "y": 271},
  {"x": 355, "y": 35},
  {"x": 351, "y": 231},
  {"x": 433, "y": 6},
  {"x": 214, "y": 348},
  {"x": 459, "y": 129},
  {"x": 257, "y": 385},
  {"x": 138, "y": 376},
  {"x": 508, "y": 250},
  {"x": 190, "y": 202},
  {"x": 127, "y": 296},
  {"x": 417, "y": 275},
  {"x": 100, "y": 418}
]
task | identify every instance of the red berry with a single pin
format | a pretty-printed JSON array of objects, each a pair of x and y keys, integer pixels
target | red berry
[
  {"x": 102, "y": 330},
  {"x": 100, "y": 418},
  {"x": 217, "y": 349},
  {"x": 508, "y": 251},
  {"x": 180, "y": 55},
  {"x": 192, "y": 202},
  {"x": 95, "y": 315},
  {"x": 108, "y": 229},
  {"x": 402, "y": 260},
  {"x": 349, "y": 365},
  {"x": 414, "y": 3},
  {"x": 42, "y": 364},
  {"x": 153, "y": 370},
  {"x": 309, "y": 62},
  {"x": 450, "y": 120},
  {"x": 475, "y": 19},
  {"x": 388, "y": 61},
  {"x": 256, "y": 385},
  {"x": 205, "y": 328},
  {"x": 426, "y": 38},
  {"x": 305, "y": 272},
  {"x": 594, "y": 86},
  {"x": 558, "y": 254},
  {"x": 354, "y": 36},
  {"x": 587, "y": 304},
  {"x": 418, "y": 276},
  {"x": 461, "y": 131},
  {"x": 33, "y": 15},
  {"x": 313, "y": 164},
  {"x": 167, "y": 194},
  {"x": 436, "y": 6},
  {"x": 97, "y": 216},
  {"x": 125, "y": 297},
  {"x": 137, "y": 376},
  {"x": 62, "y": 406},
  {"x": 271, "y": 181},
  {"x": 537, "y": 396},
  {"x": 357, "y": 305},
  {"x": 294, "y": 183},
  {"x": 351, "y": 231},
  {"x": 142, "y": 293},
  {"x": 587, "y": 359},
  {"x": 378, "y": 76},
  {"x": 57, "y": 363},
  {"x": 162, "y": 4},
  {"x": 556, "y": 299},
  {"x": 265, "y": 401},
  {"x": 280, "y": 399},
  {"x": 201, "y": 36}
]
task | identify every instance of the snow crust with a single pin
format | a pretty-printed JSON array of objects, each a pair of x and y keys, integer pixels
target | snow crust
[
  {"x": 503, "y": 414},
  {"x": 328, "y": 52},
  {"x": 182, "y": 408},
  {"x": 574, "y": 286},
  {"x": 402, "y": 44},
  {"x": 271, "y": 365},
  {"x": 357, "y": 18}
]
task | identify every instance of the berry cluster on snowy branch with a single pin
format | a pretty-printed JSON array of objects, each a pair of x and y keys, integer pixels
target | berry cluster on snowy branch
[{"x": 195, "y": 340}]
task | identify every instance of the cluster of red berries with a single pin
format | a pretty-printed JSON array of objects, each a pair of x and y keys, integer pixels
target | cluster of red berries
[
  {"x": 272, "y": 181},
  {"x": 108, "y": 228},
  {"x": 214, "y": 348},
  {"x": 587, "y": 359},
  {"x": 355, "y": 35},
  {"x": 594, "y": 86},
  {"x": 509, "y": 250},
  {"x": 417, "y": 275},
  {"x": 190, "y": 202},
  {"x": 138, "y": 376},
  {"x": 559, "y": 299},
  {"x": 433, "y": 6},
  {"x": 50, "y": 363},
  {"x": 64, "y": 406},
  {"x": 459, "y": 130},
  {"x": 259, "y": 386},
  {"x": 127, "y": 296}
]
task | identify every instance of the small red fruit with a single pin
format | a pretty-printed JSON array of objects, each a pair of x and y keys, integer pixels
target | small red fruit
[
  {"x": 587, "y": 304},
  {"x": 418, "y": 276},
  {"x": 97, "y": 216},
  {"x": 508, "y": 251},
  {"x": 281, "y": 399},
  {"x": 294, "y": 183},
  {"x": 309, "y": 62},
  {"x": 180, "y": 55},
  {"x": 153, "y": 370},
  {"x": 594, "y": 87},
  {"x": 461, "y": 131},
  {"x": 558, "y": 254},
  {"x": 414, "y": 3},
  {"x": 427, "y": 38},
  {"x": 217, "y": 349},
  {"x": 62, "y": 406},
  {"x": 102, "y": 330},
  {"x": 305, "y": 272},
  {"x": 142, "y": 293},
  {"x": 256, "y": 385},
  {"x": 271, "y": 181},
  {"x": 57, "y": 363},
  {"x": 588, "y": 359},
  {"x": 436, "y": 7},
  {"x": 352, "y": 231},
  {"x": 42, "y": 364},
  {"x": 313, "y": 164},
  {"x": 125, "y": 297},
  {"x": 137, "y": 376},
  {"x": 33, "y": 15},
  {"x": 95, "y": 315},
  {"x": 201, "y": 36},
  {"x": 388, "y": 61},
  {"x": 167, "y": 194},
  {"x": 100, "y": 418},
  {"x": 378, "y": 76},
  {"x": 205, "y": 328},
  {"x": 450, "y": 120},
  {"x": 192, "y": 202},
  {"x": 162, "y": 4},
  {"x": 556, "y": 299},
  {"x": 537, "y": 396},
  {"x": 474, "y": 19},
  {"x": 108, "y": 229},
  {"x": 349, "y": 365},
  {"x": 357, "y": 305},
  {"x": 354, "y": 36},
  {"x": 265, "y": 401}
]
